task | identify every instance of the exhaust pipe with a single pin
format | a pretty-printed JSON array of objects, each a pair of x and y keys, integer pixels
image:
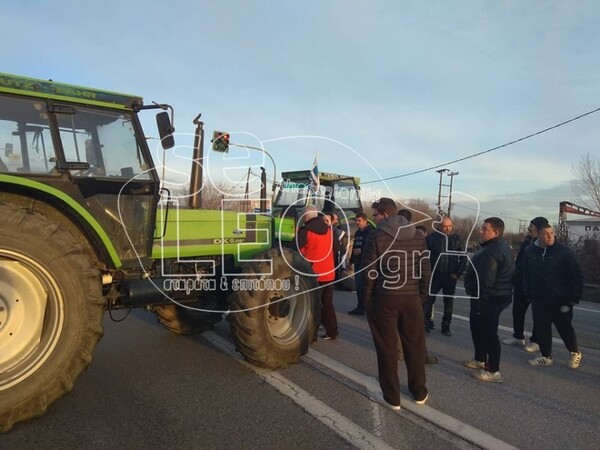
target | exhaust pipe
[{"x": 198, "y": 160}]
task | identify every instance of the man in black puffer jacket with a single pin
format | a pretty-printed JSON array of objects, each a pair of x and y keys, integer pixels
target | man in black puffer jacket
[
  {"x": 489, "y": 283},
  {"x": 554, "y": 282},
  {"x": 396, "y": 275}
]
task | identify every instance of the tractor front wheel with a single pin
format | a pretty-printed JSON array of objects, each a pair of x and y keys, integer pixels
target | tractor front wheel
[
  {"x": 51, "y": 309},
  {"x": 273, "y": 326}
]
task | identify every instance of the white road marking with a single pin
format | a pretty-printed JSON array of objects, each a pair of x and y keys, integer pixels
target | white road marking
[
  {"x": 585, "y": 309},
  {"x": 448, "y": 423},
  {"x": 348, "y": 430}
]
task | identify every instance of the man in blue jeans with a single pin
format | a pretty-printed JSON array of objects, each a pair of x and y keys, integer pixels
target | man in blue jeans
[{"x": 364, "y": 229}]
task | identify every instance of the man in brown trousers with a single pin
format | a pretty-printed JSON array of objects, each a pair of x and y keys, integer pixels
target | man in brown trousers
[{"x": 396, "y": 283}]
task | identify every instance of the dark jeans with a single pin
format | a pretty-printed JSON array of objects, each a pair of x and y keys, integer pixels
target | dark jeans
[
  {"x": 483, "y": 318},
  {"x": 447, "y": 284},
  {"x": 390, "y": 317},
  {"x": 358, "y": 283},
  {"x": 550, "y": 311},
  {"x": 328, "y": 317},
  {"x": 519, "y": 309}
]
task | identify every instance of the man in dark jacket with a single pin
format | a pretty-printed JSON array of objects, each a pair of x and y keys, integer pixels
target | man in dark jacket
[
  {"x": 554, "y": 282},
  {"x": 488, "y": 281},
  {"x": 520, "y": 300},
  {"x": 396, "y": 278},
  {"x": 316, "y": 243},
  {"x": 447, "y": 265},
  {"x": 364, "y": 229}
]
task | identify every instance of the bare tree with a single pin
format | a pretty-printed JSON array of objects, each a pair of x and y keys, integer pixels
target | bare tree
[
  {"x": 422, "y": 212},
  {"x": 464, "y": 226},
  {"x": 586, "y": 186}
]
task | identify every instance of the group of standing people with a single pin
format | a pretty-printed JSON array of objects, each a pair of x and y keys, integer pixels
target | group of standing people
[
  {"x": 399, "y": 271},
  {"x": 546, "y": 274}
]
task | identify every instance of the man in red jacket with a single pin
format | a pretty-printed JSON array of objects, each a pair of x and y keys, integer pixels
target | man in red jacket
[{"x": 315, "y": 242}]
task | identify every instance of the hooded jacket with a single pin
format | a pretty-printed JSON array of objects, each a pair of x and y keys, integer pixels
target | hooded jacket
[
  {"x": 552, "y": 273},
  {"x": 316, "y": 243},
  {"x": 492, "y": 271},
  {"x": 396, "y": 252}
]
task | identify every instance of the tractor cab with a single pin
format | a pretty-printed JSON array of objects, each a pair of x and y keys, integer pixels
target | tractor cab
[{"x": 336, "y": 193}]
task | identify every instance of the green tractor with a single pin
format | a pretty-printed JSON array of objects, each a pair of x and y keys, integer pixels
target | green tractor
[
  {"x": 336, "y": 193},
  {"x": 85, "y": 227}
]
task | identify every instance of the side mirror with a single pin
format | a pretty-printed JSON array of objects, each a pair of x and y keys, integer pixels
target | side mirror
[{"x": 165, "y": 130}]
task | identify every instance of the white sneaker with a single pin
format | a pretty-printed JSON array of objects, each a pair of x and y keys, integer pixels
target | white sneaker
[
  {"x": 474, "y": 364},
  {"x": 423, "y": 400},
  {"x": 513, "y": 341},
  {"x": 541, "y": 361},
  {"x": 575, "y": 360},
  {"x": 532, "y": 347},
  {"x": 484, "y": 375}
]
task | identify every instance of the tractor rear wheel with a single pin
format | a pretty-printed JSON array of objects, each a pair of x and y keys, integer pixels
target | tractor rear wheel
[
  {"x": 51, "y": 309},
  {"x": 274, "y": 327}
]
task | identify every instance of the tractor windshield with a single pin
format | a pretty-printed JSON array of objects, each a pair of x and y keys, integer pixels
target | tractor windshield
[
  {"x": 104, "y": 139},
  {"x": 292, "y": 193}
]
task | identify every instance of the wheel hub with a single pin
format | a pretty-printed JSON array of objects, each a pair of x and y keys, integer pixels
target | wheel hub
[
  {"x": 22, "y": 309},
  {"x": 279, "y": 308},
  {"x": 287, "y": 316}
]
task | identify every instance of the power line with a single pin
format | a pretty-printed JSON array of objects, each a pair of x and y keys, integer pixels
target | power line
[
  {"x": 434, "y": 205},
  {"x": 485, "y": 151},
  {"x": 487, "y": 212}
]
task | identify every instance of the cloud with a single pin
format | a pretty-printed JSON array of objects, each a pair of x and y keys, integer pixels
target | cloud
[{"x": 521, "y": 205}]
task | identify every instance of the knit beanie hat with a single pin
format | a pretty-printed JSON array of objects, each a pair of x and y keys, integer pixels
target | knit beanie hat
[{"x": 540, "y": 222}]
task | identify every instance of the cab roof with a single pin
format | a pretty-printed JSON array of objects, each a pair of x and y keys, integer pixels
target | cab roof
[{"x": 48, "y": 89}]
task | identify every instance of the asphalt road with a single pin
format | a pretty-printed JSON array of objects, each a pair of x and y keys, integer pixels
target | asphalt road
[{"x": 148, "y": 388}]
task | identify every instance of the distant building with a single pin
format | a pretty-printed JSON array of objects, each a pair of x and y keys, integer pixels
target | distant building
[{"x": 583, "y": 228}]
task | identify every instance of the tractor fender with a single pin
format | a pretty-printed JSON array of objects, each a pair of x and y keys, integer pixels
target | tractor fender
[{"x": 63, "y": 209}]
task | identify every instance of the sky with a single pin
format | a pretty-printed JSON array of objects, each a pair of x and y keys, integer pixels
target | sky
[{"x": 377, "y": 88}]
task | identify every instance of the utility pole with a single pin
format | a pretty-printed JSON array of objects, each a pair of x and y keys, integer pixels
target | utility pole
[
  {"x": 523, "y": 226},
  {"x": 246, "y": 198},
  {"x": 451, "y": 175},
  {"x": 439, "y": 202}
]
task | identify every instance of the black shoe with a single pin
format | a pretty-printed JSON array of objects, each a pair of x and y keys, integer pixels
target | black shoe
[
  {"x": 446, "y": 329},
  {"x": 429, "y": 324},
  {"x": 358, "y": 311}
]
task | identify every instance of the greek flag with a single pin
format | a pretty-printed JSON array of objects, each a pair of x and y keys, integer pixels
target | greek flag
[{"x": 314, "y": 175}]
